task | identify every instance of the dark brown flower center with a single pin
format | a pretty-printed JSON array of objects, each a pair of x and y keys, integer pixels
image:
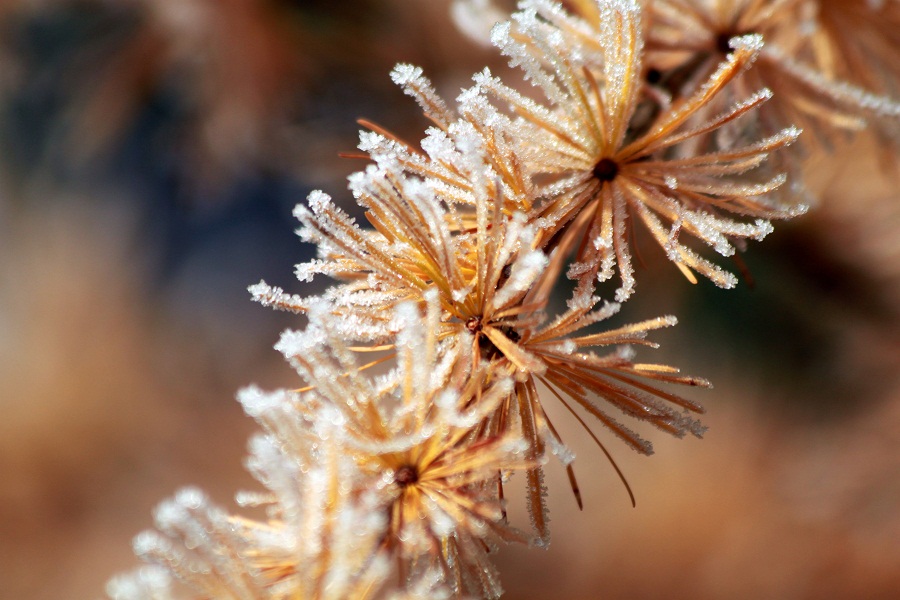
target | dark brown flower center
[
  {"x": 505, "y": 272},
  {"x": 485, "y": 345},
  {"x": 406, "y": 475},
  {"x": 606, "y": 169},
  {"x": 473, "y": 325},
  {"x": 510, "y": 333}
]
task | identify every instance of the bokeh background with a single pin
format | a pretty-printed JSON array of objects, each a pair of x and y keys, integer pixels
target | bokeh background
[{"x": 150, "y": 154}]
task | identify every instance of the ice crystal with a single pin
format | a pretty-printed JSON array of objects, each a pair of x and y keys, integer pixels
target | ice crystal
[
  {"x": 475, "y": 18},
  {"x": 146, "y": 583}
]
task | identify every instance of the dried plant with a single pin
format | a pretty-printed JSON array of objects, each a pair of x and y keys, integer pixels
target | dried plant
[{"x": 393, "y": 484}]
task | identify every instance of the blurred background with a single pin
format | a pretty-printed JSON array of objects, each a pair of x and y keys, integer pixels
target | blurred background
[{"x": 151, "y": 152}]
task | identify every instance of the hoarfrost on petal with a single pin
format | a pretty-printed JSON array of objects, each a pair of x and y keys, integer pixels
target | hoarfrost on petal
[
  {"x": 149, "y": 582},
  {"x": 256, "y": 402},
  {"x": 318, "y": 201},
  {"x": 475, "y": 18},
  {"x": 149, "y": 542}
]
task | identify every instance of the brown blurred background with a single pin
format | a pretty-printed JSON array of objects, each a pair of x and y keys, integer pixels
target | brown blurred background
[{"x": 150, "y": 154}]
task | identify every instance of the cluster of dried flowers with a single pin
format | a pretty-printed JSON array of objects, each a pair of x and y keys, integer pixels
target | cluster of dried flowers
[{"x": 671, "y": 118}]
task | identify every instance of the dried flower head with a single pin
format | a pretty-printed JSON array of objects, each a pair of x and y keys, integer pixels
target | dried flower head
[
  {"x": 559, "y": 355},
  {"x": 481, "y": 262},
  {"x": 798, "y": 62},
  {"x": 414, "y": 436},
  {"x": 446, "y": 150},
  {"x": 857, "y": 41},
  {"x": 320, "y": 542},
  {"x": 612, "y": 164}
]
